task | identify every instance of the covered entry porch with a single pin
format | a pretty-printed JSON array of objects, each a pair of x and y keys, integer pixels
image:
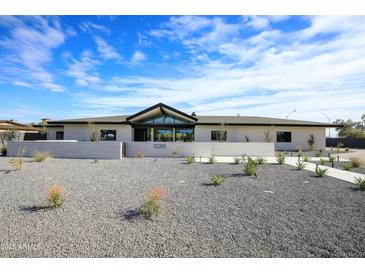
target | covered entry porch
[{"x": 162, "y": 123}]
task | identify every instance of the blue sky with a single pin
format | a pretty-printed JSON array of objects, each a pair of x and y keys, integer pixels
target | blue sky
[{"x": 85, "y": 66}]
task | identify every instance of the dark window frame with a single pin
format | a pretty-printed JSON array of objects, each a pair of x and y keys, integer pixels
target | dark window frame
[
  {"x": 284, "y": 137},
  {"x": 58, "y": 133},
  {"x": 214, "y": 135},
  {"x": 105, "y": 132}
]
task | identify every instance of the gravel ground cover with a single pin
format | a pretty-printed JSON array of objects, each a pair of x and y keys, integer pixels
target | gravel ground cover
[
  {"x": 339, "y": 165},
  {"x": 281, "y": 213}
]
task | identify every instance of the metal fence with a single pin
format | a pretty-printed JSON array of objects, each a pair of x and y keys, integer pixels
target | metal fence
[{"x": 347, "y": 142}]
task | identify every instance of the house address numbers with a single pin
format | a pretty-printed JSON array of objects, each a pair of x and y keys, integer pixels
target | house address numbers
[{"x": 159, "y": 146}]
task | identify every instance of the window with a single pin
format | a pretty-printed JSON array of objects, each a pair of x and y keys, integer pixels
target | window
[
  {"x": 161, "y": 119},
  {"x": 142, "y": 134},
  {"x": 163, "y": 135},
  {"x": 108, "y": 135},
  {"x": 283, "y": 136},
  {"x": 184, "y": 134},
  {"x": 59, "y": 135},
  {"x": 218, "y": 135}
]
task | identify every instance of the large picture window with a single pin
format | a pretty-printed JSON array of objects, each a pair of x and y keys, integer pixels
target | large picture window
[
  {"x": 283, "y": 136},
  {"x": 163, "y": 135},
  {"x": 218, "y": 135},
  {"x": 108, "y": 135},
  {"x": 184, "y": 134}
]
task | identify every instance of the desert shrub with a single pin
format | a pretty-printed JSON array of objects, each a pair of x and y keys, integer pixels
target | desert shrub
[
  {"x": 18, "y": 161},
  {"x": 217, "y": 180},
  {"x": 55, "y": 196},
  {"x": 237, "y": 161},
  {"x": 360, "y": 182},
  {"x": 321, "y": 172},
  {"x": 322, "y": 161},
  {"x": 40, "y": 156},
  {"x": 190, "y": 159},
  {"x": 311, "y": 141},
  {"x": 306, "y": 159},
  {"x": 339, "y": 145},
  {"x": 280, "y": 158},
  {"x": 250, "y": 167},
  {"x": 243, "y": 156},
  {"x": 331, "y": 159},
  {"x": 211, "y": 160},
  {"x": 152, "y": 206},
  {"x": 140, "y": 154},
  {"x": 318, "y": 154},
  {"x": 300, "y": 165},
  {"x": 355, "y": 161},
  {"x": 347, "y": 166},
  {"x": 260, "y": 161}
]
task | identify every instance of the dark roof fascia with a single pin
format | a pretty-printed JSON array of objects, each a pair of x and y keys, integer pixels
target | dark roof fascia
[
  {"x": 161, "y": 105},
  {"x": 267, "y": 124},
  {"x": 86, "y": 122},
  {"x": 163, "y": 125}
]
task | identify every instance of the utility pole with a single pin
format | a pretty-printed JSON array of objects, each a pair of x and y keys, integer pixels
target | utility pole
[{"x": 294, "y": 110}]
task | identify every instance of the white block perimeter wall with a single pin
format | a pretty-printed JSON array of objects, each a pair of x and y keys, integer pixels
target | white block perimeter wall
[
  {"x": 114, "y": 150},
  {"x": 70, "y": 149},
  {"x": 203, "y": 149}
]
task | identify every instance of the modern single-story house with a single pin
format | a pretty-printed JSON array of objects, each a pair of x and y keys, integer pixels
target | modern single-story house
[{"x": 162, "y": 123}]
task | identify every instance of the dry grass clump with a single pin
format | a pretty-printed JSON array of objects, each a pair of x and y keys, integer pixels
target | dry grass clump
[
  {"x": 356, "y": 162},
  {"x": 41, "y": 156}
]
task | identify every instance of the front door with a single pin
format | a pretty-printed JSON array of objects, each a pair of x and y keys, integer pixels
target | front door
[{"x": 140, "y": 135}]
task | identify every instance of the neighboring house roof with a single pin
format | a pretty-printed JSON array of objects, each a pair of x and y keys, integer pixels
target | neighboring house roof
[
  {"x": 8, "y": 124},
  {"x": 199, "y": 120}
]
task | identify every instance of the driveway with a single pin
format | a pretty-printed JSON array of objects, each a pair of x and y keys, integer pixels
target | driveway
[{"x": 360, "y": 153}]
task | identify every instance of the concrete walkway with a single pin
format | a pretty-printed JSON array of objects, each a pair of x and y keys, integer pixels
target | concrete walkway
[{"x": 347, "y": 176}]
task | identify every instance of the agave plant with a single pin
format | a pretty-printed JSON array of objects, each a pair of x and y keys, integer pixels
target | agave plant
[{"x": 300, "y": 165}]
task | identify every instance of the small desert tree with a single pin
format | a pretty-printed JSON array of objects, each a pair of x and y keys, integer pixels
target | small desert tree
[
  {"x": 7, "y": 136},
  {"x": 44, "y": 129},
  {"x": 268, "y": 138},
  {"x": 311, "y": 141},
  {"x": 222, "y": 134},
  {"x": 93, "y": 134}
]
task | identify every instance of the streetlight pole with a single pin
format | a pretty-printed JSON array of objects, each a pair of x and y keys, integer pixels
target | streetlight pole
[
  {"x": 329, "y": 121},
  {"x": 294, "y": 110}
]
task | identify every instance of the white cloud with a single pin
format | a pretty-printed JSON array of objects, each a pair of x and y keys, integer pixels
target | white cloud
[
  {"x": 84, "y": 70},
  {"x": 269, "y": 74},
  {"x": 138, "y": 56},
  {"x": 89, "y": 26},
  {"x": 106, "y": 51},
  {"x": 28, "y": 49}
]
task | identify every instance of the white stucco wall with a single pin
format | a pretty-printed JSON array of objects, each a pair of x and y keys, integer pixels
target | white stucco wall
[
  {"x": 203, "y": 149},
  {"x": 81, "y": 132},
  {"x": 51, "y": 132},
  {"x": 70, "y": 149},
  {"x": 300, "y": 135}
]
